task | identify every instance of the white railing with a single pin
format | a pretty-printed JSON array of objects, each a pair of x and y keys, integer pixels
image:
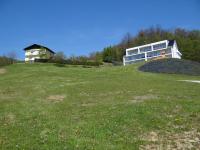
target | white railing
[{"x": 147, "y": 52}]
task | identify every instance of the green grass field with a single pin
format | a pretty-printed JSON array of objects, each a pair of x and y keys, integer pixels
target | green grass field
[{"x": 47, "y": 107}]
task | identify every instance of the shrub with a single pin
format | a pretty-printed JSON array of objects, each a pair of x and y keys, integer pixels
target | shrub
[
  {"x": 5, "y": 61},
  {"x": 58, "y": 58},
  {"x": 84, "y": 63},
  {"x": 62, "y": 62}
]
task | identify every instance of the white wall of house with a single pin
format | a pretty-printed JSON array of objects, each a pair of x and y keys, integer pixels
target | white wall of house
[
  {"x": 175, "y": 51},
  {"x": 32, "y": 54}
]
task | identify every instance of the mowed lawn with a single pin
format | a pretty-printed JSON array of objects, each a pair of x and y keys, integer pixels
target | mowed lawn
[{"x": 43, "y": 107}]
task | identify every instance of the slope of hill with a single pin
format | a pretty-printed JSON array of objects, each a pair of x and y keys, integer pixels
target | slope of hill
[
  {"x": 47, "y": 107},
  {"x": 175, "y": 66}
]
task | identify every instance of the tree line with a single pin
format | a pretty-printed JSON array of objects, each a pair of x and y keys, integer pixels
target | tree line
[{"x": 61, "y": 59}]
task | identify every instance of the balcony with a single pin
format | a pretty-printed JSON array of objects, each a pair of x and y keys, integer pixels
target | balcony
[
  {"x": 132, "y": 52},
  {"x": 135, "y": 61},
  {"x": 145, "y": 49},
  {"x": 163, "y": 53},
  {"x": 159, "y": 46},
  {"x": 134, "y": 57}
]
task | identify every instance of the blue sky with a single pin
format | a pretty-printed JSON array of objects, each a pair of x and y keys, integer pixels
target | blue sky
[{"x": 78, "y": 27}]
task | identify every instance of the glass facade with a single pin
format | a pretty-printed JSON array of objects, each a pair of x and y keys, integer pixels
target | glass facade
[
  {"x": 153, "y": 54},
  {"x": 134, "y": 57},
  {"x": 159, "y": 53},
  {"x": 159, "y": 46},
  {"x": 149, "y": 55},
  {"x": 132, "y": 62},
  {"x": 134, "y": 51},
  {"x": 145, "y": 49}
]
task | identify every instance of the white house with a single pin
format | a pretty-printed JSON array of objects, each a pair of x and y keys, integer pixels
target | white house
[
  {"x": 157, "y": 50},
  {"x": 37, "y": 52}
]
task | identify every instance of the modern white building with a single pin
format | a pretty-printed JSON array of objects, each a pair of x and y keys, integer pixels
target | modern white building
[
  {"x": 157, "y": 50},
  {"x": 37, "y": 52}
]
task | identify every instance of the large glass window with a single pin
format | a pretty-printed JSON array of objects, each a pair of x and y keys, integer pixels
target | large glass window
[
  {"x": 159, "y": 46},
  {"x": 134, "y": 51},
  {"x": 159, "y": 52},
  {"x": 145, "y": 49},
  {"x": 132, "y": 62},
  {"x": 139, "y": 56},
  {"x": 153, "y": 54}
]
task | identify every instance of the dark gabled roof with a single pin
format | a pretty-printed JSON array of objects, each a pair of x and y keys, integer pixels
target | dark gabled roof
[
  {"x": 171, "y": 42},
  {"x": 35, "y": 46}
]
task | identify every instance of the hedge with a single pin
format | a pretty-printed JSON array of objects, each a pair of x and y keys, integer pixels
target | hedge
[{"x": 5, "y": 61}]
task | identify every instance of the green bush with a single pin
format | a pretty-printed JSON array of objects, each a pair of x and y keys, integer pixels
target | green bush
[
  {"x": 84, "y": 63},
  {"x": 5, "y": 61},
  {"x": 62, "y": 62}
]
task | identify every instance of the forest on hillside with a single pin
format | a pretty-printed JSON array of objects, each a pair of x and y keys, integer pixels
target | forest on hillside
[{"x": 188, "y": 42}]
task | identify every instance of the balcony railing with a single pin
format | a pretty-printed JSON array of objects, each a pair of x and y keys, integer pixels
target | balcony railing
[
  {"x": 134, "y": 57},
  {"x": 148, "y": 55}
]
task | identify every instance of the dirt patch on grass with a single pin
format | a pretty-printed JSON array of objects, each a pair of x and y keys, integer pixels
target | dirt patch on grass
[
  {"x": 56, "y": 98},
  {"x": 2, "y": 71},
  {"x": 142, "y": 98},
  {"x": 111, "y": 93},
  {"x": 151, "y": 137},
  {"x": 88, "y": 104},
  {"x": 145, "y": 97},
  {"x": 180, "y": 141}
]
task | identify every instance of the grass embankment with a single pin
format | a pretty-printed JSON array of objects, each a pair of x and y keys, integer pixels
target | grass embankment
[{"x": 47, "y": 107}]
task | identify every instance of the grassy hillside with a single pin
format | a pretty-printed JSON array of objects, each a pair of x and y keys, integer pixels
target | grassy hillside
[{"x": 48, "y": 107}]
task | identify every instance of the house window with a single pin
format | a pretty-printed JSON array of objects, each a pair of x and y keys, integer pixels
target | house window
[
  {"x": 139, "y": 56},
  {"x": 134, "y": 51},
  {"x": 159, "y": 46},
  {"x": 145, "y": 49}
]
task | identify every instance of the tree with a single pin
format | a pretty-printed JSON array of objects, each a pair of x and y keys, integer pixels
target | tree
[
  {"x": 12, "y": 55},
  {"x": 96, "y": 56},
  {"x": 127, "y": 40},
  {"x": 59, "y": 57},
  {"x": 109, "y": 54}
]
